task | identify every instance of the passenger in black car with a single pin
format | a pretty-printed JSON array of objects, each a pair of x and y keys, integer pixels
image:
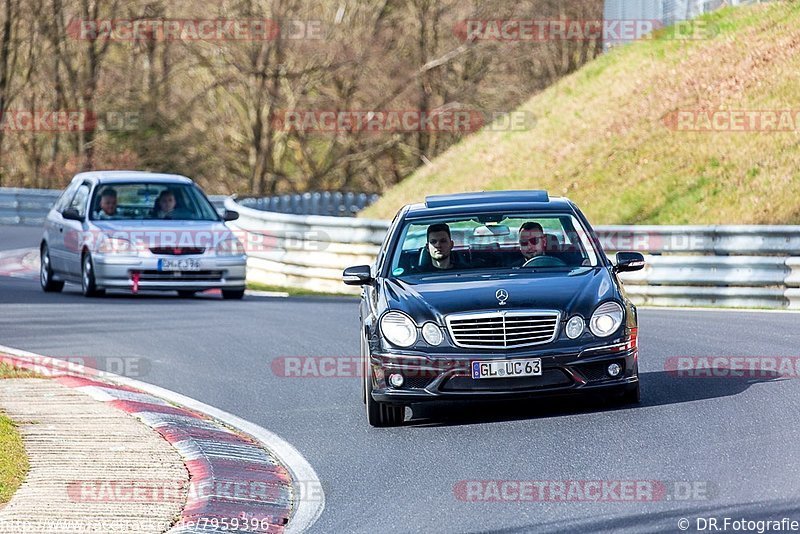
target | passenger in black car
[{"x": 438, "y": 253}]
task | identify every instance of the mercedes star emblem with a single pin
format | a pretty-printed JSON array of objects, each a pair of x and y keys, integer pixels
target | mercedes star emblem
[{"x": 502, "y": 296}]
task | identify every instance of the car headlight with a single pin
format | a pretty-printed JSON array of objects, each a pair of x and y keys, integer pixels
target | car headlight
[
  {"x": 575, "y": 327},
  {"x": 117, "y": 245},
  {"x": 399, "y": 329},
  {"x": 606, "y": 319},
  {"x": 432, "y": 334},
  {"x": 229, "y": 247}
]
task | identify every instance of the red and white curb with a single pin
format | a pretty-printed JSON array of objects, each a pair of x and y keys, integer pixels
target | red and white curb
[
  {"x": 239, "y": 473},
  {"x": 20, "y": 263}
]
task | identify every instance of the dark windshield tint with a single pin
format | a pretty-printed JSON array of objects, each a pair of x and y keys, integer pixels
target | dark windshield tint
[{"x": 494, "y": 241}]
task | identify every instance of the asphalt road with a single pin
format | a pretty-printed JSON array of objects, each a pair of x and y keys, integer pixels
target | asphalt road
[
  {"x": 14, "y": 237},
  {"x": 734, "y": 438}
]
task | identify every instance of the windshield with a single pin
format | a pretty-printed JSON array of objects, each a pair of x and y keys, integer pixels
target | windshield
[
  {"x": 149, "y": 201},
  {"x": 493, "y": 241}
]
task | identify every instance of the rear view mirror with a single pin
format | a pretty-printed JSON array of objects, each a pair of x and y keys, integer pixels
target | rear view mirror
[
  {"x": 230, "y": 215},
  {"x": 629, "y": 261},
  {"x": 491, "y": 230},
  {"x": 360, "y": 275},
  {"x": 71, "y": 214}
]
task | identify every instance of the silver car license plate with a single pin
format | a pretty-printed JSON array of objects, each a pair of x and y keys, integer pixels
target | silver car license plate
[
  {"x": 183, "y": 264},
  {"x": 506, "y": 368}
]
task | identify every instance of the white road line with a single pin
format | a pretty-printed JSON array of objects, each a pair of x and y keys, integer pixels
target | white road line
[{"x": 305, "y": 512}]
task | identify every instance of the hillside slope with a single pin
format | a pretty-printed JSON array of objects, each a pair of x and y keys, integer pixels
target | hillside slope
[{"x": 607, "y": 137}]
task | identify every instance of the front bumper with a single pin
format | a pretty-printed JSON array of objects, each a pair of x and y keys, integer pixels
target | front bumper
[
  {"x": 429, "y": 379},
  {"x": 127, "y": 272}
]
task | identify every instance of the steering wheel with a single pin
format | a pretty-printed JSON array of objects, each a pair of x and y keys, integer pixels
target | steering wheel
[{"x": 545, "y": 261}]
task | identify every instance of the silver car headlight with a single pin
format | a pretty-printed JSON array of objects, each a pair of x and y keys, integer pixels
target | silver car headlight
[
  {"x": 229, "y": 247},
  {"x": 399, "y": 329},
  {"x": 606, "y": 319},
  {"x": 117, "y": 245}
]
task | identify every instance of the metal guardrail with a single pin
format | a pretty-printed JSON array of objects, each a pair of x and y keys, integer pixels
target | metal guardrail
[
  {"x": 735, "y": 266},
  {"x": 25, "y": 206},
  {"x": 333, "y": 203},
  {"x": 30, "y": 206},
  {"x": 730, "y": 266}
]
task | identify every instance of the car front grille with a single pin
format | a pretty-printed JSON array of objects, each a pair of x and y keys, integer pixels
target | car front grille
[
  {"x": 503, "y": 330},
  {"x": 177, "y": 251},
  {"x": 417, "y": 382},
  {"x": 180, "y": 276}
]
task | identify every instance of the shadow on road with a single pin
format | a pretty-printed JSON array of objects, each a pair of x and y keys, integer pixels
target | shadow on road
[
  {"x": 667, "y": 521},
  {"x": 660, "y": 388}
]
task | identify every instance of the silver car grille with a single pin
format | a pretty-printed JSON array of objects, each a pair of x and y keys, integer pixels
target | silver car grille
[{"x": 503, "y": 330}]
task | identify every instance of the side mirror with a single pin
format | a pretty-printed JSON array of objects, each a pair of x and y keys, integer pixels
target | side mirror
[
  {"x": 360, "y": 275},
  {"x": 230, "y": 215},
  {"x": 629, "y": 261},
  {"x": 72, "y": 214}
]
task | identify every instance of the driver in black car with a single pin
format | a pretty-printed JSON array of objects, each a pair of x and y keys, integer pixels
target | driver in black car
[
  {"x": 532, "y": 243},
  {"x": 440, "y": 249}
]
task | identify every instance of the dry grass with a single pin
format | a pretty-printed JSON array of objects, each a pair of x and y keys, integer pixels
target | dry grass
[
  {"x": 13, "y": 461},
  {"x": 602, "y": 136},
  {"x": 9, "y": 371}
]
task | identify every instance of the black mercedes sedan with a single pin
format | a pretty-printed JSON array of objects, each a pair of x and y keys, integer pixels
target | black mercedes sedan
[{"x": 493, "y": 295}]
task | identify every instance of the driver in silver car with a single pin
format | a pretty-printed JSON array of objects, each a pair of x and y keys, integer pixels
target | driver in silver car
[{"x": 108, "y": 205}]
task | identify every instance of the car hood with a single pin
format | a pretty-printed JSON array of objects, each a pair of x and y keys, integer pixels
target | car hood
[{"x": 577, "y": 291}]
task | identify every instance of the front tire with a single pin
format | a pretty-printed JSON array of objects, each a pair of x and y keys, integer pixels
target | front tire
[
  {"x": 46, "y": 273},
  {"x": 233, "y": 294},
  {"x": 88, "y": 281}
]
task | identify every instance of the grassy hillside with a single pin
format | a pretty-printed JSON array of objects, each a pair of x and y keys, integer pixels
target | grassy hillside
[{"x": 603, "y": 136}]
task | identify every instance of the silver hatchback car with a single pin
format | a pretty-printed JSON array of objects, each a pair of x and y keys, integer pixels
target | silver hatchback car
[{"x": 134, "y": 231}]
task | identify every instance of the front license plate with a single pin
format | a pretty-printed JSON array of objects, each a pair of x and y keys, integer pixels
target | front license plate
[
  {"x": 184, "y": 264},
  {"x": 506, "y": 368}
]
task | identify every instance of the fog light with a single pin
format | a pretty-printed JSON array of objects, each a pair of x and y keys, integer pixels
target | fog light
[
  {"x": 613, "y": 370},
  {"x": 396, "y": 380}
]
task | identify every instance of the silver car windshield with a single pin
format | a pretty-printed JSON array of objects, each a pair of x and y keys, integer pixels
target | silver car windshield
[{"x": 151, "y": 201}]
